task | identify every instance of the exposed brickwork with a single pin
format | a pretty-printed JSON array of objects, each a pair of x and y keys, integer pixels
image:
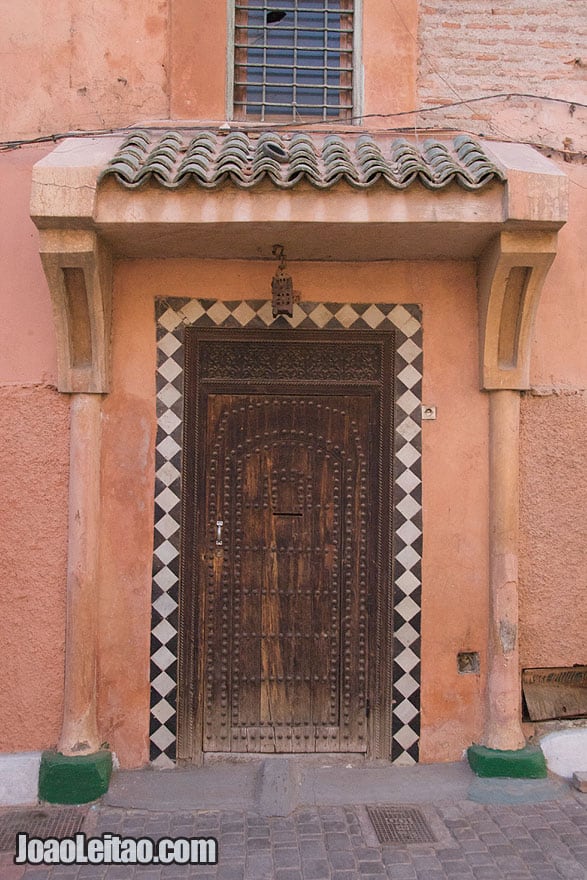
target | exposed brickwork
[{"x": 473, "y": 48}]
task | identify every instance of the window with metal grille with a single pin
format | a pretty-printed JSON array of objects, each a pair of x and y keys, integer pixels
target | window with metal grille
[{"x": 293, "y": 59}]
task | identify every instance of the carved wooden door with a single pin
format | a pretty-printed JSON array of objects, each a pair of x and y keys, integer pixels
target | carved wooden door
[
  {"x": 285, "y": 573},
  {"x": 283, "y": 563}
]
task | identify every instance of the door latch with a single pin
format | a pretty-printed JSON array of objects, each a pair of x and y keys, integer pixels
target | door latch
[{"x": 219, "y": 524}]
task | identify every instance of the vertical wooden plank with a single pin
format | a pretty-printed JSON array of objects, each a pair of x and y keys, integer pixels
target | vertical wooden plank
[{"x": 331, "y": 540}]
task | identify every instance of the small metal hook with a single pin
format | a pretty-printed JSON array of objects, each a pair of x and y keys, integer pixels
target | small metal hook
[{"x": 278, "y": 251}]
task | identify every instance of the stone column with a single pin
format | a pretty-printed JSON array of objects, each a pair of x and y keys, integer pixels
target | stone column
[
  {"x": 79, "y": 733},
  {"x": 504, "y": 751},
  {"x": 511, "y": 273},
  {"x": 79, "y": 770},
  {"x": 78, "y": 267},
  {"x": 503, "y": 728}
]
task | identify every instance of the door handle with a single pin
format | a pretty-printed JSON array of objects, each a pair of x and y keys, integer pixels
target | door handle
[{"x": 219, "y": 525}]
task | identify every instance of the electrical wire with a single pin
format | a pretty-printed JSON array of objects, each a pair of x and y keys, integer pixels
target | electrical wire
[{"x": 155, "y": 126}]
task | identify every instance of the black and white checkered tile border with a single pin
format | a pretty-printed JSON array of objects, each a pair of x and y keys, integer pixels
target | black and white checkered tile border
[{"x": 173, "y": 315}]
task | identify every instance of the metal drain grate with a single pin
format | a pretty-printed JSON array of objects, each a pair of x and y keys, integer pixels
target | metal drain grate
[
  {"x": 394, "y": 824},
  {"x": 39, "y": 822}
]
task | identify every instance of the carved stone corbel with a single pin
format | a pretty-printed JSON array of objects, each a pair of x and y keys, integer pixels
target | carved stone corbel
[
  {"x": 512, "y": 271},
  {"x": 78, "y": 268}
]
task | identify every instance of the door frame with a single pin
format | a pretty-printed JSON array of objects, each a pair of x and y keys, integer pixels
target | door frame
[
  {"x": 398, "y": 727},
  {"x": 370, "y": 366}
]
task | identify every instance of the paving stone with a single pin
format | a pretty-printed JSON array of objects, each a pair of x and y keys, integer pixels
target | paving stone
[
  {"x": 63, "y": 873},
  {"x": 395, "y": 856},
  {"x": 367, "y": 854},
  {"x": 178, "y": 872},
  {"x": 501, "y": 851},
  {"x": 229, "y": 872},
  {"x": 309, "y": 829},
  {"x": 371, "y": 869},
  {"x": 486, "y": 842},
  {"x": 315, "y": 869},
  {"x": 458, "y": 869},
  {"x": 463, "y": 833},
  {"x": 450, "y": 855},
  {"x": 313, "y": 848},
  {"x": 426, "y": 863},
  {"x": 257, "y": 834},
  {"x": 475, "y": 845},
  {"x": 479, "y": 858},
  {"x": 232, "y": 850},
  {"x": 288, "y": 874},
  {"x": 546, "y": 874},
  {"x": 39, "y": 873},
  {"x": 334, "y": 825},
  {"x": 401, "y": 872},
  {"x": 342, "y": 860},
  {"x": 227, "y": 837},
  {"x": 258, "y": 844},
  {"x": 492, "y": 839},
  {"x": 510, "y": 863},
  {"x": 486, "y": 873},
  {"x": 259, "y": 861},
  {"x": 337, "y": 840},
  {"x": 233, "y": 825},
  {"x": 280, "y": 839},
  {"x": 286, "y": 857}
]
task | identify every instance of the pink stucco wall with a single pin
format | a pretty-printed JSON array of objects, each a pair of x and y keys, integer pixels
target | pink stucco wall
[
  {"x": 27, "y": 339},
  {"x": 553, "y": 470},
  {"x": 70, "y": 65},
  {"x": 554, "y": 534},
  {"x": 454, "y": 595},
  {"x": 34, "y": 464},
  {"x": 64, "y": 67}
]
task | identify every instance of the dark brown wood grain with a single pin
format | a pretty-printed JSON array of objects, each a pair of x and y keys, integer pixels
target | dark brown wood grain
[{"x": 278, "y": 651}]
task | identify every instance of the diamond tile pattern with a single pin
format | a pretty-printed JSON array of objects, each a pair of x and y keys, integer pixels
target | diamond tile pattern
[
  {"x": 173, "y": 158},
  {"x": 172, "y": 317}
]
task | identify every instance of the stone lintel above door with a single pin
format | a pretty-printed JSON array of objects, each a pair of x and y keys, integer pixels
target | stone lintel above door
[{"x": 358, "y": 197}]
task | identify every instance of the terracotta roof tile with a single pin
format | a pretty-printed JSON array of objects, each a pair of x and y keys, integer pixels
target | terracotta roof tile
[{"x": 210, "y": 160}]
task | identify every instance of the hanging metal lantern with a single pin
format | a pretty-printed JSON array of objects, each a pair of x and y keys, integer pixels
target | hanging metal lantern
[{"x": 281, "y": 286}]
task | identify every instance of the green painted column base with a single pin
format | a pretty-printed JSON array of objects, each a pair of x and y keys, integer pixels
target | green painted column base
[
  {"x": 526, "y": 763},
  {"x": 74, "y": 780}
]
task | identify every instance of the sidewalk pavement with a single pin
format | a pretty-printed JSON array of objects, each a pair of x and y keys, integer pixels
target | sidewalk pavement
[{"x": 306, "y": 819}]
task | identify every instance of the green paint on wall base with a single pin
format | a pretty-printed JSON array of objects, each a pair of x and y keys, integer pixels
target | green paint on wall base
[
  {"x": 526, "y": 763},
  {"x": 76, "y": 779}
]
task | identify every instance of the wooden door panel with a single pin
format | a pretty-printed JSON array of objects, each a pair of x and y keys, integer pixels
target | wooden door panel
[{"x": 285, "y": 657}]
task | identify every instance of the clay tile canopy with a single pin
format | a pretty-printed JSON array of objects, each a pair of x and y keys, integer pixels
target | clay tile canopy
[{"x": 173, "y": 159}]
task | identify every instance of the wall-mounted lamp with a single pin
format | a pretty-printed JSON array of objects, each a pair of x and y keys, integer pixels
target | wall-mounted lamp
[{"x": 282, "y": 286}]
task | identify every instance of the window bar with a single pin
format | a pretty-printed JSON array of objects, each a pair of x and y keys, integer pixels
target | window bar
[
  {"x": 325, "y": 67},
  {"x": 264, "y": 70},
  {"x": 346, "y": 60},
  {"x": 240, "y": 59},
  {"x": 295, "y": 69},
  {"x": 337, "y": 57}
]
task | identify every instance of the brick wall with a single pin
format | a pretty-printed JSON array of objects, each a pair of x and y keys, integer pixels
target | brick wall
[{"x": 470, "y": 48}]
